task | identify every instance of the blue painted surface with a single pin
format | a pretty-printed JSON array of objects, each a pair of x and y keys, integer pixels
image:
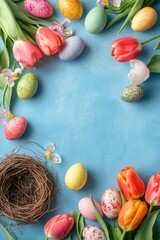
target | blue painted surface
[{"x": 79, "y": 109}]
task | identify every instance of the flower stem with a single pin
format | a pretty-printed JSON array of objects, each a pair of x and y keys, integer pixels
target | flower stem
[
  {"x": 3, "y": 96},
  {"x": 123, "y": 234},
  {"x": 46, "y": 238},
  {"x": 151, "y": 39},
  {"x": 150, "y": 209}
]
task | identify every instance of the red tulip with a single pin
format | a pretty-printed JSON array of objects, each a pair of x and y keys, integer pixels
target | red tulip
[
  {"x": 59, "y": 226},
  {"x": 49, "y": 41},
  {"x": 126, "y": 48},
  {"x": 152, "y": 195},
  {"x": 26, "y": 53},
  {"x": 131, "y": 214},
  {"x": 131, "y": 185}
]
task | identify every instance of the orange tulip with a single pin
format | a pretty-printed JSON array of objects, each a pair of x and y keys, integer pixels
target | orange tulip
[
  {"x": 131, "y": 185},
  {"x": 132, "y": 214}
]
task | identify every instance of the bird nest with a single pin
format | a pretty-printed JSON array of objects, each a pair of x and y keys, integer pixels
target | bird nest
[{"x": 26, "y": 189}]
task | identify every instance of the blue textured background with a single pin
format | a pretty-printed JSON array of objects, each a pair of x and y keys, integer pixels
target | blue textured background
[{"x": 78, "y": 107}]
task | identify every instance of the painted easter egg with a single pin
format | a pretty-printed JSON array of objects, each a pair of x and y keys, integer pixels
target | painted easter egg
[
  {"x": 133, "y": 93},
  {"x": 93, "y": 233},
  {"x": 96, "y": 20},
  {"x": 86, "y": 208},
  {"x": 27, "y": 86},
  {"x": 144, "y": 19},
  {"x": 73, "y": 48},
  {"x": 111, "y": 203},
  {"x": 71, "y": 9},
  {"x": 76, "y": 177},
  {"x": 15, "y": 128},
  {"x": 39, "y": 8}
]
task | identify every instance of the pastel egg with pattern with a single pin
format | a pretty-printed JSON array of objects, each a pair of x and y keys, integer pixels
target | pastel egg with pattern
[{"x": 111, "y": 203}]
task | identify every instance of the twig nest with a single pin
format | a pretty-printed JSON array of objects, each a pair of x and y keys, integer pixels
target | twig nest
[{"x": 26, "y": 188}]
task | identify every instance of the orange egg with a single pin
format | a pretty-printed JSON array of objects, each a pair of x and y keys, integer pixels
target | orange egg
[{"x": 71, "y": 9}]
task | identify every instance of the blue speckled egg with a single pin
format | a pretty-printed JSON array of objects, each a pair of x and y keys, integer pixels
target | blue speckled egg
[
  {"x": 73, "y": 48},
  {"x": 27, "y": 86},
  {"x": 96, "y": 19}
]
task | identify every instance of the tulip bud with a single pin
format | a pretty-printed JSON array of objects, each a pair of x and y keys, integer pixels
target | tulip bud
[
  {"x": 131, "y": 185},
  {"x": 152, "y": 195},
  {"x": 26, "y": 53},
  {"x": 59, "y": 226},
  {"x": 49, "y": 41},
  {"x": 126, "y": 48},
  {"x": 131, "y": 214}
]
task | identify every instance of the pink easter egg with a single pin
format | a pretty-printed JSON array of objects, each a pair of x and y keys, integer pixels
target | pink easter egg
[
  {"x": 111, "y": 203},
  {"x": 86, "y": 208},
  {"x": 39, "y": 8},
  {"x": 15, "y": 128}
]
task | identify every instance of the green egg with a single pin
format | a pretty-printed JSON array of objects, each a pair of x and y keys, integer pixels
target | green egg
[
  {"x": 133, "y": 93},
  {"x": 27, "y": 86},
  {"x": 96, "y": 19}
]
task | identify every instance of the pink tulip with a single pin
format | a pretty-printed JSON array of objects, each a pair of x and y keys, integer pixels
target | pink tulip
[
  {"x": 49, "y": 41},
  {"x": 26, "y": 53},
  {"x": 126, "y": 48},
  {"x": 59, "y": 226},
  {"x": 152, "y": 195}
]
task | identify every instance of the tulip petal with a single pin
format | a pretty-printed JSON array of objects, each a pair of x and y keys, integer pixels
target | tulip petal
[
  {"x": 139, "y": 72},
  {"x": 56, "y": 158}
]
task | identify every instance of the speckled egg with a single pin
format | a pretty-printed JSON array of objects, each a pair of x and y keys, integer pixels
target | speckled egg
[
  {"x": 96, "y": 20},
  {"x": 71, "y": 9},
  {"x": 133, "y": 93},
  {"x": 144, "y": 19},
  {"x": 76, "y": 177},
  {"x": 93, "y": 233},
  {"x": 39, "y": 8},
  {"x": 111, "y": 203},
  {"x": 86, "y": 208},
  {"x": 73, "y": 48},
  {"x": 27, "y": 86},
  {"x": 15, "y": 128}
]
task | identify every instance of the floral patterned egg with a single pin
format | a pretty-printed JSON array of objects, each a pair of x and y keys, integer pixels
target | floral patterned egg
[
  {"x": 39, "y": 8},
  {"x": 111, "y": 203},
  {"x": 15, "y": 128},
  {"x": 93, "y": 233}
]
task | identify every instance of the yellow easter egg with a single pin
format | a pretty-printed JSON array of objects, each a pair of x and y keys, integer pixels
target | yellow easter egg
[
  {"x": 71, "y": 9},
  {"x": 144, "y": 19},
  {"x": 76, "y": 177}
]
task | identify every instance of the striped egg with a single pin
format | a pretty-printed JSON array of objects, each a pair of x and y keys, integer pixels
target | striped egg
[
  {"x": 15, "y": 128},
  {"x": 27, "y": 86},
  {"x": 111, "y": 203},
  {"x": 93, "y": 233}
]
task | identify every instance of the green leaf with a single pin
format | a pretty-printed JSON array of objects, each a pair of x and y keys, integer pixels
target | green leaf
[
  {"x": 157, "y": 46},
  {"x": 154, "y": 64},
  {"x": 2, "y": 82},
  {"x": 155, "y": 231},
  {"x": 122, "y": 198},
  {"x": 145, "y": 230},
  {"x": 8, "y": 22},
  {"x": 117, "y": 18},
  {"x": 100, "y": 220},
  {"x": 136, "y": 7},
  {"x": 78, "y": 223},
  {"x": 8, "y": 97},
  {"x": 7, "y": 234}
]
